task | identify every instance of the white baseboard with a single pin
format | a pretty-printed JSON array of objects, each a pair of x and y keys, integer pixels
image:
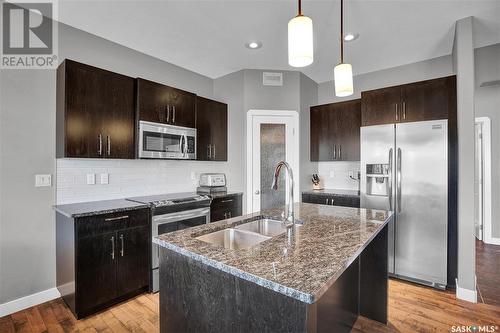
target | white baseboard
[
  {"x": 466, "y": 294},
  {"x": 28, "y": 301}
]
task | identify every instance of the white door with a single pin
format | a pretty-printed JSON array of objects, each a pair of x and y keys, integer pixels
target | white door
[
  {"x": 272, "y": 140},
  {"x": 478, "y": 183}
]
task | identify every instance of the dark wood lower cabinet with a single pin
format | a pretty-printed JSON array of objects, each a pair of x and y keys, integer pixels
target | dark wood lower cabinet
[
  {"x": 102, "y": 259},
  {"x": 331, "y": 199},
  {"x": 225, "y": 207}
]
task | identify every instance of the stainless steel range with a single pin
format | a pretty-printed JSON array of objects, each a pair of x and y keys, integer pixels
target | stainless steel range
[{"x": 171, "y": 212}]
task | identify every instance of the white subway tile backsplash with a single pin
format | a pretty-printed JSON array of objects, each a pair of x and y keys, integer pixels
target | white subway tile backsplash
[
  {"x": 340, "y": 179},
  {"x": 129, "y": 178}
]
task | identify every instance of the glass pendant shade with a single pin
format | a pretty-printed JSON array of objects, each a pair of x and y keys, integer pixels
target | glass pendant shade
[
  {"x": 300, "y": 41},
  {"x": 343, "y": 80}
]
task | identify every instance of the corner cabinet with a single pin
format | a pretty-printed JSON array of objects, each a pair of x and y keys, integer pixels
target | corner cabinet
[
  {"x": 419, "y": 101},
  {"x": 211, "y": 126},
  {"x": 102, "y": 259},
  {"x": 335, "y": 131},
  {"x": 160, "y": 103},
  {"x": 95, "y": 113}
]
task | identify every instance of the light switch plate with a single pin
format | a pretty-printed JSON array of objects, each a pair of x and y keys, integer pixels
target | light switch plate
[
  {"x": 104, "y": 178},
  {"x": 332, "y": 174},
  {"x": 43, "y": 180},
  {"x": 91, "y": 179}
]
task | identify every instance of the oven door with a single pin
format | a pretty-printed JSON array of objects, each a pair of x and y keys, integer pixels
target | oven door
[
  {"x": 166, "y": 141},
  {"x": 162, "y": 224}
]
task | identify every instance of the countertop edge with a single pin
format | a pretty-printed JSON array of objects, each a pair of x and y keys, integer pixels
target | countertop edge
[
  {"x": 279, "y": 288},
  {"x": 100, "y": 212}
]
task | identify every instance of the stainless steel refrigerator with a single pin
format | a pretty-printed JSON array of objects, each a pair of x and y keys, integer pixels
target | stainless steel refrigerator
[{"x": 404, "y": 168}]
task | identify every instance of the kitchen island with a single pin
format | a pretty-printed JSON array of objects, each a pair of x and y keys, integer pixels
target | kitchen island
[{"x": 332, "y": 269}]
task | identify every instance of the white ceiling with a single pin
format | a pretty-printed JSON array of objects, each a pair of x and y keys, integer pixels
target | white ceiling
[{"x": 208, "y": 37}]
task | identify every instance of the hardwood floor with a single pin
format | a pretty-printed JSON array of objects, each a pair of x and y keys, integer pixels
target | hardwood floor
[
  {"x": 488, "y": 273},
  {"x": 412, "y": 308}
]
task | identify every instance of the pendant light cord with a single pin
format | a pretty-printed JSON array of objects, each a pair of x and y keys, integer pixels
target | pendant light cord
[
  {"x": 341, "y": 31},
  {"x": 300, "y": 8}
]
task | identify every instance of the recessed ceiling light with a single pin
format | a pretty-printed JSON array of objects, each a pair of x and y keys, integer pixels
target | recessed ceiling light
[
  {"x": 254, "y": 45},
  {"x": 349, "y": 37}
]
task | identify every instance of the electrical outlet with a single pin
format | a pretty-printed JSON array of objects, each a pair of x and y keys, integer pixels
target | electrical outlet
[
  {"x": 104, "y": 178},
  {"x": 351, "y": 174},
  {"x": 91, "y": 179},
  {"x": 194, "y": 176},
  {"x": 43, "y": 180},
  {"x": 332, "y": 174}
]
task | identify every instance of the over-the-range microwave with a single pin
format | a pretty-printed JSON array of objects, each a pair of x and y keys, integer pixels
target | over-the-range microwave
[{"x": 166, "y": 141}]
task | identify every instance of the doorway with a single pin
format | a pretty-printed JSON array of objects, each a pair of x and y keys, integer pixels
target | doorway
[{"x": 272, "y": 136}]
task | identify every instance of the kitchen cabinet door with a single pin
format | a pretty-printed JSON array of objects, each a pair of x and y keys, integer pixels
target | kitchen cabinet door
[
  {"x": 95, "y": 112},
  {"x": 428, "y": 100},
  {"x": 348, "y": 124},
  {"x": 211, "y": 125},
  {"x": 132, "y": 259},
  {"x": 323, "y": 131},
  {"x": 381, "y": 106},
  {"x": 160, "y": 103},
  {"x": 96, "y": 271}
]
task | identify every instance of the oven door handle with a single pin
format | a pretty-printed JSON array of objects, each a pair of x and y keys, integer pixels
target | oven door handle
[{"x": 168, "y": 218}]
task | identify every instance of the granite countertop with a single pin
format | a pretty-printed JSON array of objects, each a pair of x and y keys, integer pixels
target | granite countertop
[
  {"x": 329, "y": 240},
  {"x": 331, "y": 191},
  {"x": 82, "y": 209},
  {"x": 222, "y": 194}
]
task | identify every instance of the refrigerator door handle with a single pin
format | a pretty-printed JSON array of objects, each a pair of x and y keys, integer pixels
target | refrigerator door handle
[
  {"x": 390, "y": 179},
  {"x": 398, "y": 180}
]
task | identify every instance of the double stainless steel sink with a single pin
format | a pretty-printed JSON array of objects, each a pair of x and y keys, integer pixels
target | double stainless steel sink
[{"x": 245, "y": 235}]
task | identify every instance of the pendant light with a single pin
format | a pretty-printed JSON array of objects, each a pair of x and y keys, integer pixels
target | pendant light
[
  {"x": 343, "y": 72},
  {"x": 300, "y": 40}
]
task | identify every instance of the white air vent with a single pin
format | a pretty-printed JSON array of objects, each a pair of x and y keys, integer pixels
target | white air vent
[{"x": 272, "y": 79}]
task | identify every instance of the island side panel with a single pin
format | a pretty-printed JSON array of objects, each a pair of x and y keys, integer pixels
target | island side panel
[
  {"x": 374, "y": 279},
  {"x": 195, "y": 297},
  {"x": 338, "y": 308}
]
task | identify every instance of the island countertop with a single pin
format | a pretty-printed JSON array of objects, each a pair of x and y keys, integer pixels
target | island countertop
[{"x": 329, "y": 240}]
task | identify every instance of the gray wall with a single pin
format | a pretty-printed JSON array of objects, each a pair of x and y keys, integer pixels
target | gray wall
[
  {"x": 487, "y": 104},
  {"x": 464, "y": 62},
  {"x": 27, "y": 147}
]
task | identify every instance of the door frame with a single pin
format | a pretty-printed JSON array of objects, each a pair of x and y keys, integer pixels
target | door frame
[
  {"x": 294, "y": 115},
  {"x": 486, "y": 132}
]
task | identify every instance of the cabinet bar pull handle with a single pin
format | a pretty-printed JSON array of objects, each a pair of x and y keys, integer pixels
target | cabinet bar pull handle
[
  {"x": 326, "y": 201},
  {"x": 108, "y": 138},
  {"x": 229, "y": 214},
  {"x": 173, "y": 114},
  {"x": 99, "y": 149},
  {"x": 113, "y": 247},
  {"x": 334, "y": 152},
  {"x": 116, "y": 218},
  {"x": 404, "y": 110},
  {"x": 227, "y": 200},
  {"x": 340, "y": 151},
  {"x": 122, "y": 251},
  {"x": 214, "y": 150},
  {"x": 209, "y": 152},
  {"x": 225, "y": 215},
  {"x": 168, "y": 113},
  {"x": 397, "y": 115}
]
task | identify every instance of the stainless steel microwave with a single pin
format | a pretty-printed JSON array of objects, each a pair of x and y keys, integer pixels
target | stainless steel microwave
[{"x": 166, "y": 141}]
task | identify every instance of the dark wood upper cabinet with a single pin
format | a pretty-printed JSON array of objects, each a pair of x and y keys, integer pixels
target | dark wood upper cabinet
[
  {"x": 428, "y": 100},
  {"x": 381, "y": 106},
  {"x": 419, "y": 101},
  {"x": 95, "y": 112},
  {"x": 211, "y": 125},
  {"x": 335, "y": 131},
  {"x": 160, "y": 103}
]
